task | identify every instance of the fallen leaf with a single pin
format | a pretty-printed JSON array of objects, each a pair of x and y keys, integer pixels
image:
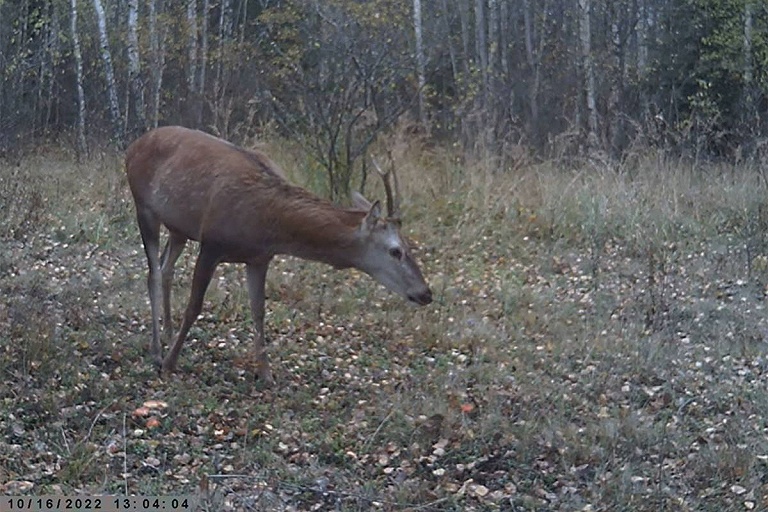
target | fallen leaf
[
  {"x": 155, "y": 404},
  {"x": 141, "y": 412}
]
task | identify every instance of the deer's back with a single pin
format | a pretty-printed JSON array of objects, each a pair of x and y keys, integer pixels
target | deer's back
[{"x": 196, "y": 183}]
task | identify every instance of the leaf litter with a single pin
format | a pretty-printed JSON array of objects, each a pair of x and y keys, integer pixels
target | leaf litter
[{"x": 549, "y": 375}]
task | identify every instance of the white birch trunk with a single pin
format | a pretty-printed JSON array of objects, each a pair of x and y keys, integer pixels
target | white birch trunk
[
  {"x": 224, "y": 23},
  {"x": 157, "y": 51},
  {"x": 191, "y": 47},
  {"x": 82, "y": 148},
  {"x": 748, "y": 29},
  {"x": 106, "y": 58},
  {"x": 134, "y": 65},
  {"x": 588, "y": 68}
]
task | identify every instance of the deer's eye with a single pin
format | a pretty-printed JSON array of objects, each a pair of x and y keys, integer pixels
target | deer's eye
[{"x": 396, "y": 253}]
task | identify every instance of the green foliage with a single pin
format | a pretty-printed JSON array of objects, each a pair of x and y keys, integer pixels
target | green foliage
[{"x": 701, "y": 60}]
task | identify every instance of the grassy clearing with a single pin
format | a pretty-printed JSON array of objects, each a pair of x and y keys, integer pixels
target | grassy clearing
[{"x": 598, "y": 342}]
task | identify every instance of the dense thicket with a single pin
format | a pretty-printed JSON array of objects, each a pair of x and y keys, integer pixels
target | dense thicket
[{"x": 545, "y": 76}]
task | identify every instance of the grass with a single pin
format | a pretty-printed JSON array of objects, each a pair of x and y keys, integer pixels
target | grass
[{"x": 598, "y": 342}]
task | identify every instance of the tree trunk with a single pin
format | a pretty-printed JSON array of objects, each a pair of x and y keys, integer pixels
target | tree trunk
[
  {"x": 533, "y": 64},
  {"x": 157, "y": 59},
  {"x": 191, "y": 53},
  {"x": 505, "y": 38},
  {"x": 134, "y": 67},
  {"x": 219, "y": 101},
  {"x": 82, "y": 148},
  {"x": 46, "y": 94},
  {"x": 493, "y": 36},
  {"x": 445, "y": 15},
  {"x": 106, "y": 58},
  {"x": 749, "y": 96},
  {"x": 463, "y": 7},
  {"x": 615, "y": 111},
  {"x": 203, "y": 64},
  {"x": 481, "y": 44},
  {"x": 420, "y": 61},
  {"x": 588, "y": 70}
]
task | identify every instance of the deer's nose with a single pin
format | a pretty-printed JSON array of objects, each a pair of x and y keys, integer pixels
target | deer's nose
[{"x": 423, "y": 298}]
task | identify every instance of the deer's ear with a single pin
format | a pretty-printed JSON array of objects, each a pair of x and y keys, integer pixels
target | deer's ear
[
  {"x": 360, "y": 202},
  {"x": 373, "y": 216}
]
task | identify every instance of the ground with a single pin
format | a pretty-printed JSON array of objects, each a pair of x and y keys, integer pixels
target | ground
[{"x": 597, "y": 342}]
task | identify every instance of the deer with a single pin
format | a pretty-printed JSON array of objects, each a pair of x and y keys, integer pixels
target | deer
[{"x": 240, "y": 208}]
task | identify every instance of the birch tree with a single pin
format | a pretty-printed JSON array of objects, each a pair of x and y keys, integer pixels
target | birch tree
[
  {"x": 191, "y": 47},
  {"x": 82, "y": 148},
  {"x": 420, "y": 60},
  {"x": 157, "y": 61},
  {"x": 588, "y": 70},
  {"x": 134, "y": 69},
  {"x": 106, "y": 58}
]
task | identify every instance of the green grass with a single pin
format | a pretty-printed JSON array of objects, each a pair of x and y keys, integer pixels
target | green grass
[{"x": 597, "y": 342}]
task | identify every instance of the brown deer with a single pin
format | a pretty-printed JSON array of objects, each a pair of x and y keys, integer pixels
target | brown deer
[{"x": 236, "y": 203}]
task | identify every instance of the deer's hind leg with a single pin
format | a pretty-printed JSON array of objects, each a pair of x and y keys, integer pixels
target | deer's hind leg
[
  {"x": 173, "y": 249},
  {"x": 149, "y": 227}
]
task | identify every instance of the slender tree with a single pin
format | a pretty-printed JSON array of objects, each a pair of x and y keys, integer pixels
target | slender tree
[
  {"x": 106, "y": 58},
  {"x": 749, "y": 103},
  {"x": 157, "y": 61},
  {"x": 134, "y": 66},
  {"x": 588, "y": 70},
  {"x": 420, "y": 60},
  {"x": 82, "y": 148},
  {"x": 481, "y": 44},
  {"x": 203, "y": 64},
  {"x": 192, "y": 51}
]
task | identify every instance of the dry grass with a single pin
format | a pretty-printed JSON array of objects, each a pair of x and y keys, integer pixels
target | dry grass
[{"x": 598, "y": 342}]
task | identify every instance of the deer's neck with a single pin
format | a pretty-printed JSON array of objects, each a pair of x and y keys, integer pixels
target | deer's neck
[{"x": 322, "y": 232}]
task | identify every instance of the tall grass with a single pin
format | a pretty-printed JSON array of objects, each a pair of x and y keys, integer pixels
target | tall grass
[{"x": 597, "y": 341}]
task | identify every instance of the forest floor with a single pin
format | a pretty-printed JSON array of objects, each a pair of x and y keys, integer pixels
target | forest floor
[{"x": 598, "y": 341}]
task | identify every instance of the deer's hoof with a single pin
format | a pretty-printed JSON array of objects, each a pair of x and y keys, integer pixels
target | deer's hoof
[{"x": 264, "y": 379}]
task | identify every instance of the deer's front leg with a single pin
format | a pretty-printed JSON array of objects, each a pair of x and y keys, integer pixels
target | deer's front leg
[
  {"x": 204, "y": 268},
  {"x": 257, "y": 277}
]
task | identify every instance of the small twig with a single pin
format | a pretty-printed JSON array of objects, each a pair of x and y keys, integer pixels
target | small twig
[
  {"x": 66, "y": 443},
  {"x": 223, "y": 477},
  {"x": 378, "y": 429},
  {"x": 428, "y": 505},
  {"x": 93, "y": 423}
]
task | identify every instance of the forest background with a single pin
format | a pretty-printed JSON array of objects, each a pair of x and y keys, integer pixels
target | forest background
[{"x": 519, "y": 80}]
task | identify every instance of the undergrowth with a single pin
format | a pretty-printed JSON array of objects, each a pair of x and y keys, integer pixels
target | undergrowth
[{"x": 597, "y": 342}]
